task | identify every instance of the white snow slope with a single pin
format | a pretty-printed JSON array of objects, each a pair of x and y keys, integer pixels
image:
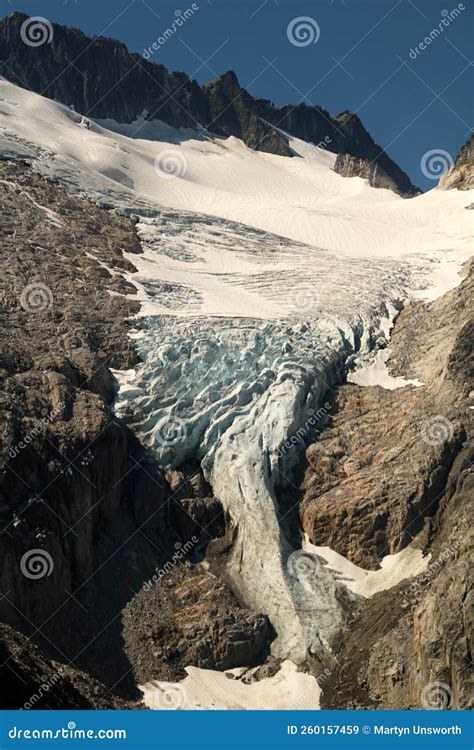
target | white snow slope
[
  {"x": 288, "y": 689},
  {"x": 261, "y": 279}
]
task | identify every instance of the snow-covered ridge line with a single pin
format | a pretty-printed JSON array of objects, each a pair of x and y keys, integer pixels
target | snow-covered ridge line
[{"x": 300, "y": 198}]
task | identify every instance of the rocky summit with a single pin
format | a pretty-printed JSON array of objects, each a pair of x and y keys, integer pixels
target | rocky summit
[
  {"x": 461, "y": 174},
  {"x": 108, "y": 81}
]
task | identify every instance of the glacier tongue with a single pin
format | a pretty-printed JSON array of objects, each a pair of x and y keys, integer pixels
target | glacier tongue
[
  {"x": 305, "y": 613},
  {"x": 231, "y": 391},
  {"x": 241, "y": 335}
]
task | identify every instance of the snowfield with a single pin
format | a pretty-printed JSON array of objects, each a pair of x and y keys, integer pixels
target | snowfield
[
  {"x": 263, "y": 277},
  {"x": 202, "y": 689},
  {"x": 299, "y": 198}
]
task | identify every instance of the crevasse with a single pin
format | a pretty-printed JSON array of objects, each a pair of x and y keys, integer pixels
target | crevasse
[{"x": 231, "y": 392}]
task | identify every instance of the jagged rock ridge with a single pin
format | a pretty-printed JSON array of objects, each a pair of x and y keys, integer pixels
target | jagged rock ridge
[
  {"x": 461, "y": 174},
  {"x": 107, "y": 81}
]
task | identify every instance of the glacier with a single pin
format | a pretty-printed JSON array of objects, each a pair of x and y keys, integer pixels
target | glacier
[{"x": 261, "y": 281}]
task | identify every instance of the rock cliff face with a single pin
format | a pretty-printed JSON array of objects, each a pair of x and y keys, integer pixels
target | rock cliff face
[
  {"x": 86, "y": 515},
  {"x": 69, "y": 482},
  {"x": 361, "y": 157},
  {"x": 461, "y": 174},
  {"x": 392, "y": 469},
  {"x": 28, "y": 680},
  {"x": 107, "y": 81}
]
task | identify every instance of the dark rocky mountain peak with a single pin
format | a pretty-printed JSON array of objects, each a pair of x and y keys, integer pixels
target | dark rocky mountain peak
[
  {"x": 228, "y": 79},
  {"x": 102, "y": 79}
]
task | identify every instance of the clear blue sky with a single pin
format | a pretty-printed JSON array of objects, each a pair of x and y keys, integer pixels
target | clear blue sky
[{"x": 408, "y": 110}]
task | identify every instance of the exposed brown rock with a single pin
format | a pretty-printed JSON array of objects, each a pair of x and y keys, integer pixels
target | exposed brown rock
[
  {"x": 381, "y": 466},
  {"x": 191, "y": 618},
  {"x": 419, "y": 633},
  {"x": 193, "y": 510},
  {"x": 461, "y": 174},
  {"x": 75, "y": 485},
  {"x": 394, "y": 468},
  {"x": 80, "y": 498}
]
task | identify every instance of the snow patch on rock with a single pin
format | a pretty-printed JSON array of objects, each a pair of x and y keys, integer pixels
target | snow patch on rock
[{"x": 394, "y": 569}]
